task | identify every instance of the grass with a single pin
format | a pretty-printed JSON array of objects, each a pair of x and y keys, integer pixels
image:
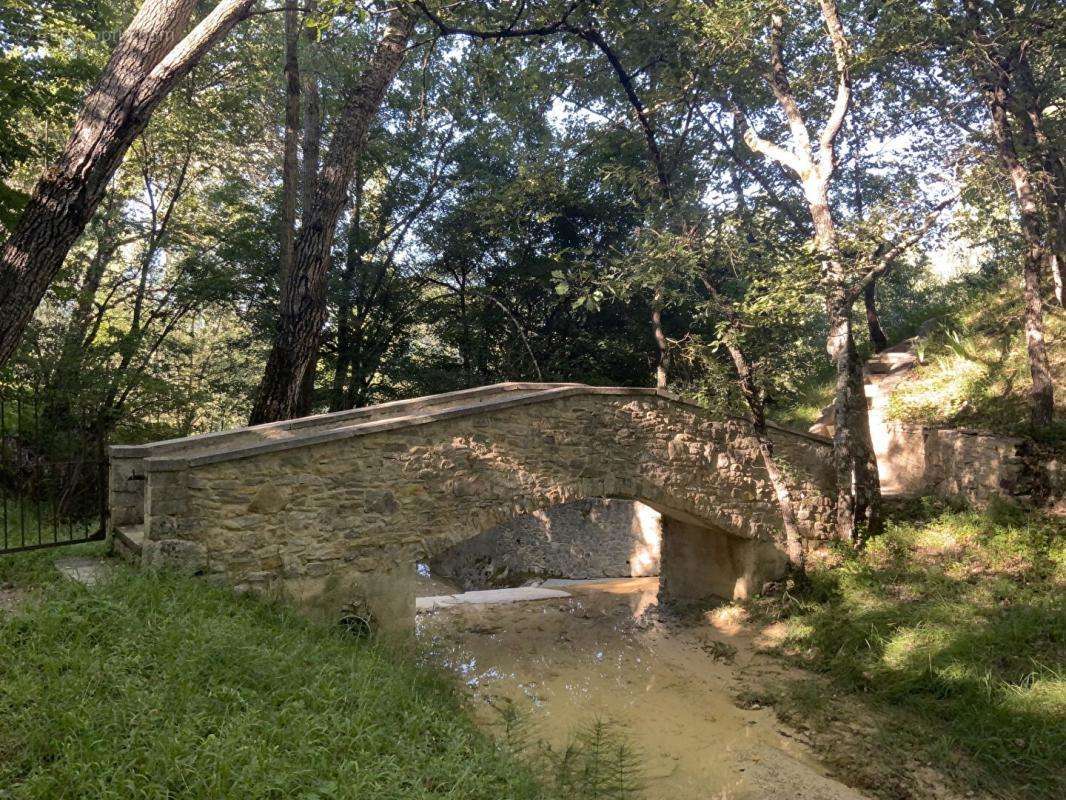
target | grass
[
  {"x": 953, "y": 625},
  {"x": 155, "y": 686},
  {"x": 975, "y": 371},
  {"x": 812, "y": 396}
]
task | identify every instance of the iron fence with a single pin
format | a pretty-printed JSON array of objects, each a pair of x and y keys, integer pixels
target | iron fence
[{"x": 53, "y": 473}]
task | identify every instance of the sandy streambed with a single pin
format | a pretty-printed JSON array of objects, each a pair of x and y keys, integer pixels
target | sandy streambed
[{"x": 669, "y": 687}]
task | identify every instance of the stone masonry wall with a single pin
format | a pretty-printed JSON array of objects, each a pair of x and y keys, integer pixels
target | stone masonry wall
[
  {"x": 592, "y": 538},
  {"x": 386, "y": 497},
  {"x": 970, "y": 466}
]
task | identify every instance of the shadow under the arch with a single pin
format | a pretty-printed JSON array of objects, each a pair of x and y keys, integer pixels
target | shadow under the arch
[{"x": 697, "y": 562}]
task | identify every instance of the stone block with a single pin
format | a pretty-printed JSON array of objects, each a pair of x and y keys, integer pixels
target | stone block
[{"x": 179, "y": 555}]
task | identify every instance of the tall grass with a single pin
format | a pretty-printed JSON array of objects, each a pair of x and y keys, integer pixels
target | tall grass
[{"x": 152, "y": 686}]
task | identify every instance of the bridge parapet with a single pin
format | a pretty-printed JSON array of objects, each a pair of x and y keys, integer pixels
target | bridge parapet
[{"x": 364, "y": 497}]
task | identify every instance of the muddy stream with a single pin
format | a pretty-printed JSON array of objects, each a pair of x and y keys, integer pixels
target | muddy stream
[{"x": 669, "y": 687}]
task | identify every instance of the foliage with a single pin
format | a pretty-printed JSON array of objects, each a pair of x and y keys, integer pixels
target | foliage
[
  {"x": 596, "y": 764},
  {"x": 509, "y": 223},
  {"x": 954, "y": 622},
  {"x": 154, "y": 685},
  {"x": 49, "y": 52}
]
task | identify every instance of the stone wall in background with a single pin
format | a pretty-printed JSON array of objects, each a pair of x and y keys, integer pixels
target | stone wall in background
[
  {"x": 970, "y": 466},
  {"x": 592, "y": 538}
]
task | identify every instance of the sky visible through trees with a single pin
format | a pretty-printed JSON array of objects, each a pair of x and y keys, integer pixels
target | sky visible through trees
[{"x": 232, "y": 211}]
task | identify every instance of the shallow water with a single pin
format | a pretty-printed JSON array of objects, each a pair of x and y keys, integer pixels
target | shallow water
[{"x": 669, "y": 687}]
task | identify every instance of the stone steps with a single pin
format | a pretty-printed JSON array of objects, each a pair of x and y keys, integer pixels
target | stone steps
[
  {"x": 129, "y": 542},
  {"x": 888, "y": 359},
  {"x": 881, "y": 374}
]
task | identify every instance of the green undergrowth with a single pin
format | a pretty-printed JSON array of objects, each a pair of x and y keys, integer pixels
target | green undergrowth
[
  {"x": 596, "y": 763},
  {"x": 152, "y": 686},
  {"x": 952, "y": 625},
  {"x": 975, "y": 371},
  {"x": 811, "y": 397}
]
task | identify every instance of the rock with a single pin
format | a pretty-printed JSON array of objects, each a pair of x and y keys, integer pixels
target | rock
[
  {"x": 179, "y": 555},
  {"x": 87, "y": 571},
  {"x": 927, "y": 327}
]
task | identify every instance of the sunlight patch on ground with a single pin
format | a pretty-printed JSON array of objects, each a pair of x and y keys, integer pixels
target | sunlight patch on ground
[{"x": 731, "y": 619}]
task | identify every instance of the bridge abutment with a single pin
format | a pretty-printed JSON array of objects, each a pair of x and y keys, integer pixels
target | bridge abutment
[{"x": 701, "y": 562}]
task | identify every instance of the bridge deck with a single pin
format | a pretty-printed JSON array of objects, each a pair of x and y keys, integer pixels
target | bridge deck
[{"x": 279, "y": 433}]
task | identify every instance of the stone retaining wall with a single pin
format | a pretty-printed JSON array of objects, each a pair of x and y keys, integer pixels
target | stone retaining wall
[{"x": 970, "y": 466}]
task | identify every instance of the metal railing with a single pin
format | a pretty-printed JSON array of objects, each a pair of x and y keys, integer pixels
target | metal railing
[{"x": 53, "y": 474}]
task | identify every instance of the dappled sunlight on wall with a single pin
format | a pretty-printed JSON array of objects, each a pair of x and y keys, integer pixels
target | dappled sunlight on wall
[{"x": 647, "y": 529}]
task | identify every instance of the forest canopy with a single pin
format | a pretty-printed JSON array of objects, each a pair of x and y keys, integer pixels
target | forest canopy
[{"x": 269, "y": 210}]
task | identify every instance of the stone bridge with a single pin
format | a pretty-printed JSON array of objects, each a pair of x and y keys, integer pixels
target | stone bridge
[{"x": 322, "y": 507}]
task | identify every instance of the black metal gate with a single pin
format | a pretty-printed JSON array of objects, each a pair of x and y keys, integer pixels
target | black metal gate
[{"x": 53, "y": 474}]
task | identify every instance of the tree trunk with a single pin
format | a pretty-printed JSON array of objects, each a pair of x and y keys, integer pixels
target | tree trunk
[
  {"x": 290, "y": 162},
  {"x": 869, "y": 295},
  {"x": 753, "y": 398},
  {"x": 63, "y": 384},
  {"x": 662, "y": 366},
  {"x": 873, "y": 322},
  {"x": 1045, "y": 159},
  {"x": 147, "y": 62},
  {"x": 312, "y": 140},
  {"x": 303, "y": 301},
  {"x": 464, "y": 327},
  {"x": 1041, "y": 393},
  {"x": 858, "y": 485},
  {"x": 305, "y": 402},
  {"x": 994, "y": 71}
]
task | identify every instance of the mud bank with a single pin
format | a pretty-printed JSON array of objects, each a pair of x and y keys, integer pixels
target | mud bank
[{"x": 670, "y": 687}]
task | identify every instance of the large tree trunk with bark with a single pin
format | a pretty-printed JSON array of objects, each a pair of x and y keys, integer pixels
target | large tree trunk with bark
[
  {"x": 994, "y": 69},
  {"x": 858, "y": 503},
  {"x": 1041, "y": 391},
  {"x": 858, "y": 484},
  {"x": 290, "y": 163},
  {"x": 150, "y": 58},
  {"x": 303, "y": 301}
]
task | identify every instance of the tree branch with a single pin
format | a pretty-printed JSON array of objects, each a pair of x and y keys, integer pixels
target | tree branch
[
  {"x": 782, "y": 89},
  {"x": 885, "y": 260},
  {"x": 509, "y": 32},
  {"x": 841, "y": 52}
]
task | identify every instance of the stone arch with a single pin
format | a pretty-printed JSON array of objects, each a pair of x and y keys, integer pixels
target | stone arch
[
  {"x": 595, "y": 537},
  {"x": 367, "y": 494},
  {"x": 699, "y": 558}
]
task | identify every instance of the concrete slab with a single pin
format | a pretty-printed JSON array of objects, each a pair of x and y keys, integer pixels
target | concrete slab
[
  {"x": 521, "y": 594},
  {"x": 87, "y": 571},
  {"x": 555, "y": 583}
]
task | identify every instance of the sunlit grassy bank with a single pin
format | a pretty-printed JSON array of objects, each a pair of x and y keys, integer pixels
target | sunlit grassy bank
[
  {"x": 974, "y": 370},
  {"x": 954, "y": 625},
  {"x": 152, "y": 686}
]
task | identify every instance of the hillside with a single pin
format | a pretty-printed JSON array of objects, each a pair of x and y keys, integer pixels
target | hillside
[{"x": 972, "y": 370}]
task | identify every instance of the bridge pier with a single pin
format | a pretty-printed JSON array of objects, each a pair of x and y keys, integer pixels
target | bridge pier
[{"x": 700, "y": 562}]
